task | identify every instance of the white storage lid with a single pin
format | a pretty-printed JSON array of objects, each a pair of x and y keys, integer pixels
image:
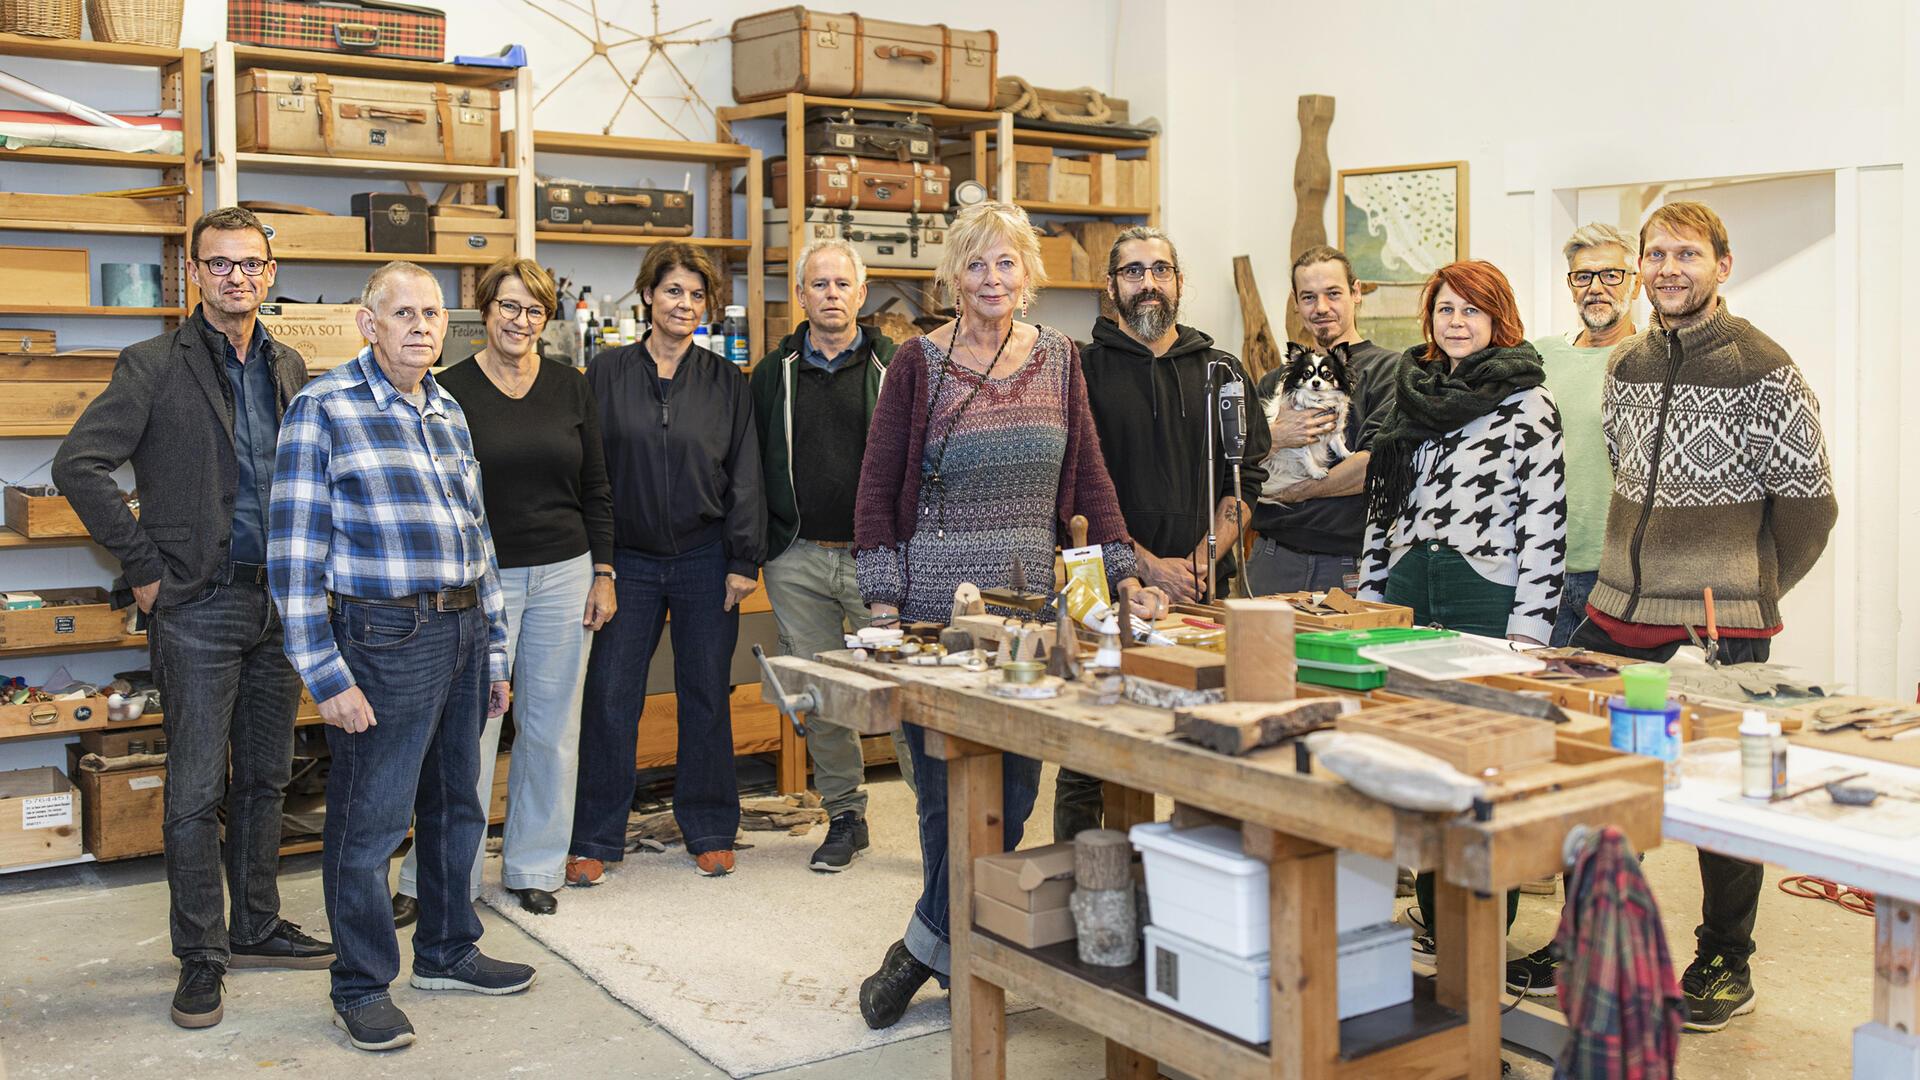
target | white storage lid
[{"x": 1215, "y": 847}]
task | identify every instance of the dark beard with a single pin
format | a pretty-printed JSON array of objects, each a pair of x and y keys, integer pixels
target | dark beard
[{"x": 1149, "y": 323}]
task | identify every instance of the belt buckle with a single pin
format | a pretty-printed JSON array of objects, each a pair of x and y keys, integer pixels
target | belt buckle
[{"x": 440, "y": 601}]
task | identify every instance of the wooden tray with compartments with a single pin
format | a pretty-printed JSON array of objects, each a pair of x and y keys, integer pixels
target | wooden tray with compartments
[{"x": 1475, "y": 741}]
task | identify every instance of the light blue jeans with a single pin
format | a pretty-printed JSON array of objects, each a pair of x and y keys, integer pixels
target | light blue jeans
[{"x": 547, "y": 647}]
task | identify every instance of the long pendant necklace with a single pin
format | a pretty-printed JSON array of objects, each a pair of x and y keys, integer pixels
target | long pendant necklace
[{"x": 933, "y": 478}]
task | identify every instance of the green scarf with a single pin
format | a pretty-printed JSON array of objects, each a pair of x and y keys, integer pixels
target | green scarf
[{"x": 1430, "y": 401}]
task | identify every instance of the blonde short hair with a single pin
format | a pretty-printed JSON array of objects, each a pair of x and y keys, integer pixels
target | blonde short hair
[
  {"x": 981, "y": 226},
  {"x": 1692, "y": 217}
]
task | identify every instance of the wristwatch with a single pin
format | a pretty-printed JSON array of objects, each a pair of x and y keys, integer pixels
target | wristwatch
[{"x": 608, "y": 574}]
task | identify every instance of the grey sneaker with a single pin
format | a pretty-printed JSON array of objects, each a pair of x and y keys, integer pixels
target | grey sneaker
[
  {"x": 480, "y": 974},
  {"x": 377, "y": 1025}
]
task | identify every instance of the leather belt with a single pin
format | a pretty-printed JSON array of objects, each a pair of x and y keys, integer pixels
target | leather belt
[
  {"x": 831, "y": 545},
  {"x": 249, "y": 574},
  {"x": 460, "y": 599}
]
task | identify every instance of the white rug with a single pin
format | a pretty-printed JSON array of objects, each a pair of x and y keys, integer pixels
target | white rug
[{"x": 761, "y": 970}]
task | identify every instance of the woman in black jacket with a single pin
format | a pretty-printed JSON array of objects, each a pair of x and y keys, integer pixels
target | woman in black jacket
[{"x": 689, "y": 534}]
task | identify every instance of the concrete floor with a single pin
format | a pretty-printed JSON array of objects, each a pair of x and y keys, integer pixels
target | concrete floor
[{"x": 86, "y": 975}]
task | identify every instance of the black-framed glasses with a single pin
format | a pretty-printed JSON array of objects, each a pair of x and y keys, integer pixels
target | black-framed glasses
[
  {"x": 219, "y": 266},
  {"x": 511, "y": 310},
  {"x": 1136, "y": 272},
  {"x": 1612, "y": 275}
]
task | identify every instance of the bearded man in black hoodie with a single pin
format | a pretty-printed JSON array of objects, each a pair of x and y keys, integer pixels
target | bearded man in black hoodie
[{"x": 1147, "y": 382}]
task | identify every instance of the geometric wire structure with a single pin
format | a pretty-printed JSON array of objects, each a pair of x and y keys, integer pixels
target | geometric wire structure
[{"x": 657, "y": 44}]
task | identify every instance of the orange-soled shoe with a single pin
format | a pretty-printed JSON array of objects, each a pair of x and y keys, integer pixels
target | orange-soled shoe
[
  {"x": 584, "y": 871},
  {"x": 714, "y": 863}
]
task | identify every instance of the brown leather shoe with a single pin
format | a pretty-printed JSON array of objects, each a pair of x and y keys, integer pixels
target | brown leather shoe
[
  {"x": 714, "y": 863},
  {"x": 582, "y": 871}
]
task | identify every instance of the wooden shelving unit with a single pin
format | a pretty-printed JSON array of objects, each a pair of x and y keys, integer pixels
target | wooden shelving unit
[
  {"x": 95, "y": 309},
  {"x": 515, "y": 169},
  {"x": 1149, "y": 213},
  {"x": 11, "y": 539},
  {"x": 721, "y": 160},
  {"x": 121, "y": 228},
  {"x": 125, "y": 641}
]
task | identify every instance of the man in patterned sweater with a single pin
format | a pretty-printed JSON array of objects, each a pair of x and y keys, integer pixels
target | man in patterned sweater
[{"x": 1720, "y": 481}]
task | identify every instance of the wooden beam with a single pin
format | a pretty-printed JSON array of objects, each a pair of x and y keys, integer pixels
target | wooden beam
[
  {"x": 1896, "y": 964},
  {"x": 1304, "y": 956},
  {"x": 1470, "y": 930},
  {"x": 1176, "y": 665},
  {"x": 1259, "y": 650},
  {"x": 1523, "y": 840},
  {"x": 974, "y": 828},
  {"x": 849, "y": 699}
]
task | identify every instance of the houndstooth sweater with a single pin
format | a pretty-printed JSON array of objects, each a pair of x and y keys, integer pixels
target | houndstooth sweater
[{"x": 1720, "y": 477}]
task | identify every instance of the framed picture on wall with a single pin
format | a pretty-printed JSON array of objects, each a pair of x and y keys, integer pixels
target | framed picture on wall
[{"x": 1397, "y": 225}]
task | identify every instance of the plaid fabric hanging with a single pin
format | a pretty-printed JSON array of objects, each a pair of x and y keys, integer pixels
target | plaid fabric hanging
[{"x": 1617, "y": 988}]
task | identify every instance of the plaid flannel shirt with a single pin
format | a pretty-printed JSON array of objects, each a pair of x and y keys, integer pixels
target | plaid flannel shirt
[{"x": 372, "y": 498}]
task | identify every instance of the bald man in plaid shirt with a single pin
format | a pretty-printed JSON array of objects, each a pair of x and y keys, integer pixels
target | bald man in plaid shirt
[{"x": 380, "y": 560}]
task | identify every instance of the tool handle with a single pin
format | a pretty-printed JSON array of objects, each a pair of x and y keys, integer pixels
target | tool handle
[
  {"x": 1713, "y": 621},
  {"x": 1077, "y": 530}
]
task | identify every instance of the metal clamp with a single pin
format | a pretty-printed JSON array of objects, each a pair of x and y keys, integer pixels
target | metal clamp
[{"x": 790, "y": 706}]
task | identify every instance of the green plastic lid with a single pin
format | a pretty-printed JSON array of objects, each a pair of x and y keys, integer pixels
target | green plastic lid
[{"x": 1646, "y": 685}]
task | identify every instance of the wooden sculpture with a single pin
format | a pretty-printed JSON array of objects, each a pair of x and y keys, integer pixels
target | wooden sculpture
[
  {"x": 1258, "y": 351},
  {"x": 1312, "y": 178}
]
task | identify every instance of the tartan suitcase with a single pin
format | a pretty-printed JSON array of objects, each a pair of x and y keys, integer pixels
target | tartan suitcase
[
  {"x": 574, "y": 206},
  {"x": 320, "y": 115},
  {"x": 884, "y": 238},
  {"x": 850, "y": 183},
  {"x": 870, "y": 134},
  {"x": 360, "y": 27}
]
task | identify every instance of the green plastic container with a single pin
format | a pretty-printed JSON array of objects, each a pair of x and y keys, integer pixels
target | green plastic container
[
  {"x": 1646, "y": 686},
  {"x": 1343, "y": 646},
  {"x": 1362, "y": 676}
]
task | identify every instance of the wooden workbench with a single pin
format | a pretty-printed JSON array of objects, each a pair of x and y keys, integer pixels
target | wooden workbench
[{"x": 1292, "y": 820}]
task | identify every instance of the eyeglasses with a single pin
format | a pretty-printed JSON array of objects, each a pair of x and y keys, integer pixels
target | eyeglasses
[
  {"x": 1135, "y": 272},
  {"x": 221, "y": 267},
  {"x": 511, "y": 310},
  {"x": 1612, "y": 275}
]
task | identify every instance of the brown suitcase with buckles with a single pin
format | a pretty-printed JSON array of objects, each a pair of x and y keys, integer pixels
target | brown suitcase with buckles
[
  {"x": 843, "y": 182},
  {"x": 796, "y": 50},
  {"x": 314, "y": 114}
]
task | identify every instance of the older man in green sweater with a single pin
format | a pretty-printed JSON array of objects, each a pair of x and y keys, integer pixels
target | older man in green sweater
[{"x": 1720, "y": 481}]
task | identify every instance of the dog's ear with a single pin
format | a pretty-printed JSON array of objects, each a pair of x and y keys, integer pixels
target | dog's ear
[
  {"x": 1340, "y": 352},
  {"x": 1295, "y": 351}
]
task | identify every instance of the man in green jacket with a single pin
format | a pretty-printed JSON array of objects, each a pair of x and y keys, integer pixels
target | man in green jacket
[{"x": 816, "y": 390}]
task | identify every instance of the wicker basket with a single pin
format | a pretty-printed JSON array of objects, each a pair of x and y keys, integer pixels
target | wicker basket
[
  {"x": 135, "y": 22},
  {"x": 41, "y": 18}
]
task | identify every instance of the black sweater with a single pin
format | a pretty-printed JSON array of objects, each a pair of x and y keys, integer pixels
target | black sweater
[
  {"x": 1333, "y": 525},
  {"x": 685, "y": 467},
  {"x": 542, "y": 473},
  {"x": 1152, "y": 416}
]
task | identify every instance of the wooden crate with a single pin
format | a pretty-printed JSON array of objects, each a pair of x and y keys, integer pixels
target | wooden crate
[
  {"x": 41, "y": 516},
  {"x": 1475, "y": 741},
  {"x": 39, "y": 817},
  {"x": 89, "y": 209},
  {"x": 56, "y": 277},
  {"x": 54, "y": 717},
  {"x": 479, "y": 237},
  {"x": 1588, "y": 698},
  {"x": 66, "y": 625},
  {"x": 292, "y": 234},
  {"x": 121, "y": 810},
  {"x": 18, "y": 341}
]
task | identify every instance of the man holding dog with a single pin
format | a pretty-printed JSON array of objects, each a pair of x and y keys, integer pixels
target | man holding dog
[
  {"x": 1310, "y": 538},
  {"x": 1147, "y": 384}
]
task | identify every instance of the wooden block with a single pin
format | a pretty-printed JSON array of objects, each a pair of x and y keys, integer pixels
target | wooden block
[
  {"x": 1056, "y": 257},
  {"x": 497, "y": 805},
  {"x": 1105, "y": 185},
  {"x": 1028, "y": 154},
  {"x": 1096, "y": 238},
  {"x": 1071, "y": 181},
  {"x": 1238, "y": 727},
  {"x": 39, "y": 817},
  {"x": 1474, "y": 741},
  {"x": 854, "y": 701},
  {"x": 30, "y": 276},
  {"x": 1032, "y": 182},
  {"x": 89, "y": 209},
  {"x": 1102, "y": 859},
  {"x": 1896, "y": 963},
  {"x": 1176, "y": 665},
  {"x": 41, "y": 516},
  {"x": 1259, "y": 650},
  {"x": 121, "y": 811}
]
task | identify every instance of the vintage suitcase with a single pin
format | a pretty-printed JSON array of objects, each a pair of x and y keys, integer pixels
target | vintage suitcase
[
  {"x": 396, "y": 221},
  {"x": 576, "y": 206},
  {"x": 319, "y": 115},
  {"x": 797, "y": 50},
  {"x": 361, "y": 27},
  {"x": 851, "y": 183},
  {"x": 884, "y": 238},
  {"x": 870, "y": 134}
]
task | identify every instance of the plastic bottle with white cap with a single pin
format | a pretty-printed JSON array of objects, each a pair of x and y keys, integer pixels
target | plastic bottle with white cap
[{"x": 1756, "y": 755}]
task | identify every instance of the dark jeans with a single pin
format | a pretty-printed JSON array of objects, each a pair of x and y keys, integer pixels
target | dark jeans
[
  {"x": 424, "y": 673},
  {"x": 227, "y": 693},
  {"x": 1276, "y": 568},
  {"x": 706, "y": 795},
  {"x": 1729, "y": 887},
  {"x": 1574, "y": 590},
  {"x": 927, "y": 932}
]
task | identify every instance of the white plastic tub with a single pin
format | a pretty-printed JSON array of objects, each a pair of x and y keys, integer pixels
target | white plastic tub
[
  {"x": 1376, "y": 968},
  {"x": 1234, "y": 993}
]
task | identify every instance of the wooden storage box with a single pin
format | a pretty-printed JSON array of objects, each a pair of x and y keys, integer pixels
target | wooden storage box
[
  {"x": 325, "y": 335},
  {"x": 121, "y": 810},
  {"x": 55, "y": 277},
  {"x": 41, "y": 516},
  {"x": 1071, "y": 182},
  {"x": 62, "y": 625},
  {"x": 39, "y": 817},
  {"x": 89, "y": 209},
  {"x": 1475, "y": 741},
  {"x": 121, "y": 741},
  {"x": 488, "y": 238},
  {"x": 292, "y": 234}
]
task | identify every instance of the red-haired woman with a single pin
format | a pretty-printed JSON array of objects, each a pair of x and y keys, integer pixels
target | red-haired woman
[{"x": 1466, "y": 490}]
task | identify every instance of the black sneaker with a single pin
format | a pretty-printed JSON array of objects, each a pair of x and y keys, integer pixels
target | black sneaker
[
  {"x": 1535, "y": 974},
  {"x": 406, "y": 910},
  {"x": 286, "y": 947},
  {"x": 1716, "y": 992},
  {"x": 885, "y": 995},
  {"x": 1424, "y": 950},
  {"x": 481, "y": 974},
  {"x": 846, "y": 837},
  {"x": 196, "y": 999},
  {"x": 377, "y": 1025}
]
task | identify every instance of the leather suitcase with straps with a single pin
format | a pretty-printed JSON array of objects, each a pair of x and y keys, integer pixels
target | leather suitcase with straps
[
  {"x": 319, "y": 115},
  {"x": 798, "y": 50},
  {"x": 851, "y": 183}
]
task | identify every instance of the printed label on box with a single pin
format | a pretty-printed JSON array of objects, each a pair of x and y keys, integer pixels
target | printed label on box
[
  {"x": 63, "y": 624},
  {"x": 144, "y": 783},
  {"x": 46, "y": 811},
  {"x": 1166, "y": 972}
]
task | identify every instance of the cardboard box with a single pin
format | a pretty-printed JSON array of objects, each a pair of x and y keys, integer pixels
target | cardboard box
[
  {"x": 488, "y": 238},
  {"x": 1072, "y": 182},
  {"x": 55, "y": 277},
  {"x": 1030, "y": 929},
  {"x": 327, "y": 234},
  {"x": 121, "y": 811},
  {"x": 39, "y": 817},
  {"x": 63, "y": 624},
  {"x": 41, "y": 516},
  {"x": 1036, "y": 879}
]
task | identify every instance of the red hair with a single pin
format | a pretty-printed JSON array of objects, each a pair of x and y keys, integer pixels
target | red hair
[{"x": 1481, "y": 284}]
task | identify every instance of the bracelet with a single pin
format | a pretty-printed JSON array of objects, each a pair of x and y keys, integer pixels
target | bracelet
[{"x": 878, "y": 619}]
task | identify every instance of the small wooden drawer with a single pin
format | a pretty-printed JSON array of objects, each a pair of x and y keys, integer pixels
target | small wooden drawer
[
  {"x": 121, "y": 811},
  {"x": 89, "y": 209},
  {"x": 41, "y": 516},
  {"x": 61, "y": 718},
  {"x": 68, "y": 624}
]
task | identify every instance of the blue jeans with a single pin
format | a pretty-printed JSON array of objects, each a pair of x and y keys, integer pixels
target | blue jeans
[
  {"x": 228, "y": 694},
  {"x": 1275, "y": 568},
  {"x": 706, "y": 795},
  {"x": 424, "y": 673},
  {"x": 1573, "y": 605},
  {"x": 547, "y": 646},
  {"x": 927, "y": 932}
]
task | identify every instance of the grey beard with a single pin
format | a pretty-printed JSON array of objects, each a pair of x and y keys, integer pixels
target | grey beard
[
  {"x": 1600, "y": 327},
  {"x": 1151, "y": 323}
]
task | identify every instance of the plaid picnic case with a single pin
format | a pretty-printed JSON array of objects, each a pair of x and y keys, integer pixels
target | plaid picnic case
[{"x": 362, "y": 27}]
